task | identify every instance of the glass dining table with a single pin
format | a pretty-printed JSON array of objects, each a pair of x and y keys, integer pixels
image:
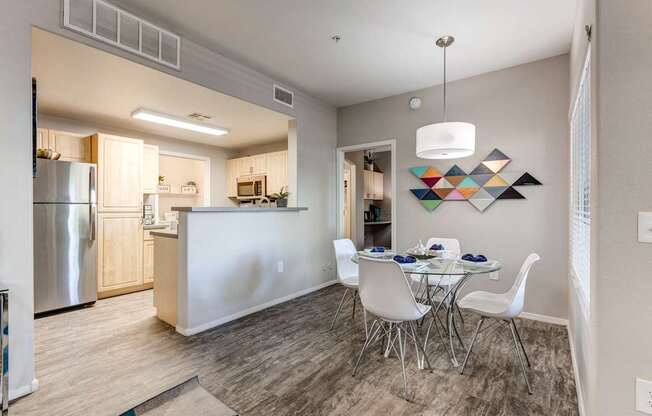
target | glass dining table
[{"x": 447, "y": 274}]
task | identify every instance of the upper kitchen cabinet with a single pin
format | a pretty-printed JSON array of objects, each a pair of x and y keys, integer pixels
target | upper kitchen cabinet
[
  {"x": 372, "y": 185},
  {"x": 150, "y": 168},
  {"x": 72, "y": 146},
  {"x": 120, "y": 173},
  {"x": 252, "y": 165},
  {"x": 277, "y": 171}
]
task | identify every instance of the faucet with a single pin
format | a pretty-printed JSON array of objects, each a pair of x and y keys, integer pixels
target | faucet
[{"x": 265, "y": 200}]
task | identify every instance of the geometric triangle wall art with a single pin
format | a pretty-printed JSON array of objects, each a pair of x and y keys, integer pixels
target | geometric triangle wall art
[{"x": 486, "y": 184}]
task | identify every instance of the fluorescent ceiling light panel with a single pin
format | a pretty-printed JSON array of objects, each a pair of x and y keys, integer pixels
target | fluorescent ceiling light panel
[{"x": 181, "y": 123}]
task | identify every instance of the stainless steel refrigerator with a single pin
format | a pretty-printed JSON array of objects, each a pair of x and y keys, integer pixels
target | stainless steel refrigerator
[{"x": 65, "y": 249}]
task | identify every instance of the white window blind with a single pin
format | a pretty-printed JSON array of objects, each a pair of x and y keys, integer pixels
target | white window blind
[{"x": 580, "y": 172}]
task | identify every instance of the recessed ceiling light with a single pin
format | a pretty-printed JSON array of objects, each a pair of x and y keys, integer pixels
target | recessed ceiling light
[{"x": 179, "y": 122}]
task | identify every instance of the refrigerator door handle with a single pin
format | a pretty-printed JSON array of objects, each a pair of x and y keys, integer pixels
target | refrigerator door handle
[
  {"x": 92, "y": 222},
  {"x": 91, "y": 185}
]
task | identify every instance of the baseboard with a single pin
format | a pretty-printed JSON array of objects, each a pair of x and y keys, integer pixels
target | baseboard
[
  {"x": 248, "y": 311},
  {"x": 23, "y": 390},
  {"x": 544, "y": 318},
  {"x": 578, "y": 384}
]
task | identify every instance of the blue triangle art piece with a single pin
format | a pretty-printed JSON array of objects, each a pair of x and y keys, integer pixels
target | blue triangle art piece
[
  {"x": 430, "y": 196},
  {"x": 496, "y": 155},
  {"x": 420, "y": 193},
  {"x": 455, "y": 171}
]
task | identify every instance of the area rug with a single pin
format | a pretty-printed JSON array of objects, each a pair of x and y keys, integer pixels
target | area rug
[{"x": 187, "y": 398}]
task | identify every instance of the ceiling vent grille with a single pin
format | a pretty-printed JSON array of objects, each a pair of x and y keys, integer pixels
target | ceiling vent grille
[
  {"x": 283, "y": 96},
  {"x": 103, "y": 21}
]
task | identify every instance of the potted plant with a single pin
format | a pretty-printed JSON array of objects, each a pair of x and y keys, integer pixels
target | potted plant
[{"x": 281, "y": 197}]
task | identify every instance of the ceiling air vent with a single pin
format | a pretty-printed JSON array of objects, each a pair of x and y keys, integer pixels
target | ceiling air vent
[
  {"x": 108, "y": 23},
  {"x": 283, "y": 96}
]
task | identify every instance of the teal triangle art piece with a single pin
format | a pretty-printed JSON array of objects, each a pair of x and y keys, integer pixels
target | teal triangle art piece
[
  {"x": 420, "y": 193},
  {"x": 455, "y": 171},
  {"x": 496, "y": 155},
  {"x": 418, "y": 170},
  {"x": 468, "y": 183},
  {"x": 526, "y": 180}
]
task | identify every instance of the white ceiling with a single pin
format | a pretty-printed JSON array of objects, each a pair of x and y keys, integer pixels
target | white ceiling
[
  {"x": 84, "y": 83},
  {"x": 387, "y": 46}
]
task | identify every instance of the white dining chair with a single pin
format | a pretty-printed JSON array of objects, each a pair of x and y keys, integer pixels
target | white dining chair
[
  {"x": 386, "y": 293},
  {"x": 503, "y": 307},
  {"x": 347, "y": 276}
]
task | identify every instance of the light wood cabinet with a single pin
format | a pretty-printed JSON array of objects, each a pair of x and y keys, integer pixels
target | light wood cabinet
[
  {"x": 120, "y": 252},
  {"x": 119, "y": 173},
  {"x": 42, "y": 139},
  {"x": 258, "y": 164},
  {"x": 150, "y": 168},
  {"x": 73, "y": 147},
  {"x": 277, "y": 171},
  {"x": 232, "y": 178},
  {"x": 372, "y": 185},
  {"x": 148, "y": 261}
]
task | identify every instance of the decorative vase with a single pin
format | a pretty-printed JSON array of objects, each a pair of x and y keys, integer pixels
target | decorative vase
[{"x": 282, "y": 203}]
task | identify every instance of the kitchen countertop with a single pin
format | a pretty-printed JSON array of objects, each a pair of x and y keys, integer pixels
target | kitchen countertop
[
  {"x": 164, "y": 234},
  {"x": 155, "y": 226},
  {"x": 377, "y": 223},
  {"x": 236, "y": 209}
]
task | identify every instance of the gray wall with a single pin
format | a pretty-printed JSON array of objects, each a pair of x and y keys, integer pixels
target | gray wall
[
  {"x": 217, "y": 155},
  {"x": 624, "y": 281},
  {"x": 520, "y": 110},
  {"x": 316, "y": 131}
]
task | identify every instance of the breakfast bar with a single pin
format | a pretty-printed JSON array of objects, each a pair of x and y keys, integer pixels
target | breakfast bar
[{"x": 224, "y": 263}]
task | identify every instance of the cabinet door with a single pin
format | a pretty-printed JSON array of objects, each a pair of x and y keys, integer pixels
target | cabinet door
[
  {"x": 232, "y": 177},
  {"x": 378, "y": 186},
  {"x": 120, "y": 173},
  {"x": 245, "y": 166},
  {"x": 367, "y": 184},
  {"x": 73, "y": 147},
  {"x": 42, "y": 139},
  {"x": 277, "y": 171},
  {"x": 148, "y": 261},
  {"x": 259, "y": 164},
  {"x": 150, "y": 168},
  {"x": 120, "y": 251}
]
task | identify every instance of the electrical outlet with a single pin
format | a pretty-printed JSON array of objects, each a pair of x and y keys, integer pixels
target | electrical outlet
[
  {"x": 280, "y": 266},
  {"x": 644, "y": 396}
]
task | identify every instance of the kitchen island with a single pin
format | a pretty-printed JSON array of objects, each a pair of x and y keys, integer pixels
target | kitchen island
[{"x": 225, "y": 263}]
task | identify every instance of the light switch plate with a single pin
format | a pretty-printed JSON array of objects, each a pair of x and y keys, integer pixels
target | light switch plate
[
  {"x": 645, "y": 227},
  {"x": 644, "y": 396}
]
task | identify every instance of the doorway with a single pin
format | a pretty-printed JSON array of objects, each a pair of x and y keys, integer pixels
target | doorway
[{"x": 366, "y": 194}]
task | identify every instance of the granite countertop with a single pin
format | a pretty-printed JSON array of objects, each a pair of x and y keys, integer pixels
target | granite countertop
[
  {"x": 164, "y": 234},
  {"x": 236, "y": 209}
]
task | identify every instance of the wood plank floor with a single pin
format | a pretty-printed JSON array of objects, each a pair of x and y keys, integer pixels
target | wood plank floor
[{"x": 283, "y": 361}]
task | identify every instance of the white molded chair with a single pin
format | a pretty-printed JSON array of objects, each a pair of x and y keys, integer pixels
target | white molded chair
[
  {"x": 347, "y": 275},
  {"x": 504, "y": 307},
  {"x": 385, "y": 292}
]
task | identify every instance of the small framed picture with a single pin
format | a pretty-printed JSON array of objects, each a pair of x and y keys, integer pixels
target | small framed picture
[
  {"x": 164, "y": 188},
  {"x": 188, "y": 189}
]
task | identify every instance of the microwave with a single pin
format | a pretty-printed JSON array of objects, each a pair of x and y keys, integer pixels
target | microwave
[{"x": 250, "y": 187}]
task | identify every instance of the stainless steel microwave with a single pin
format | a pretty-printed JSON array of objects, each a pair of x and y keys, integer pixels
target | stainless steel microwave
[{"x": 250, "y": 187}]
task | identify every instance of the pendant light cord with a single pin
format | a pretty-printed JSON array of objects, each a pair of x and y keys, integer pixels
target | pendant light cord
[{"x": 445, "y": 112}]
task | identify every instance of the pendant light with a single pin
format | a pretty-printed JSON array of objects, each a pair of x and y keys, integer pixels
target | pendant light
[{"x": 447, "y": 139}]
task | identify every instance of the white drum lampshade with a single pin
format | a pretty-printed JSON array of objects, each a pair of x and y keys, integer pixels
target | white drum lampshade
[{"x": 447, "y": 140}]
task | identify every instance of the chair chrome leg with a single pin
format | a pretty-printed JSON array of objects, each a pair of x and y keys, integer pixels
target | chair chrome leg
[
  {"x": 475, "y": 335},
  {"x": 459, "y": 338},
  {"x": 339, "y": 308},
  {"x": 390, "y": 340},
  {"x": 401, "y": 347},
  {"x": 518, "y": 335},
  {"x": 355, "y": 301},
  {"x": 417, "y": 342},
  {"x": 366, "y": 344},
  {"x": 364, "y": 316},
  {"x": 520, "y": 359},
  {"x": 459, "y": 312}
]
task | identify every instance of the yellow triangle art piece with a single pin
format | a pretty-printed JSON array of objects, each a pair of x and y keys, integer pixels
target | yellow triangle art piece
[
  {"x": 495, "y": 165},
  {"x": 495, "y": 181}
]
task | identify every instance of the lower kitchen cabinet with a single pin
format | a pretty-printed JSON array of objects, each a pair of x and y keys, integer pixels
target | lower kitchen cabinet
[
  {"x": 148, "y": 261},
  {"x": 119, "y": 254}
]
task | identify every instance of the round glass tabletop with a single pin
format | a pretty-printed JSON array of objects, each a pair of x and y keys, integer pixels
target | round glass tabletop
[{"x": 438, "y": 266}]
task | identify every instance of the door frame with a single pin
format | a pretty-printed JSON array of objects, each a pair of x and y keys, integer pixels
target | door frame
[{"x": 340, "y": 183}]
